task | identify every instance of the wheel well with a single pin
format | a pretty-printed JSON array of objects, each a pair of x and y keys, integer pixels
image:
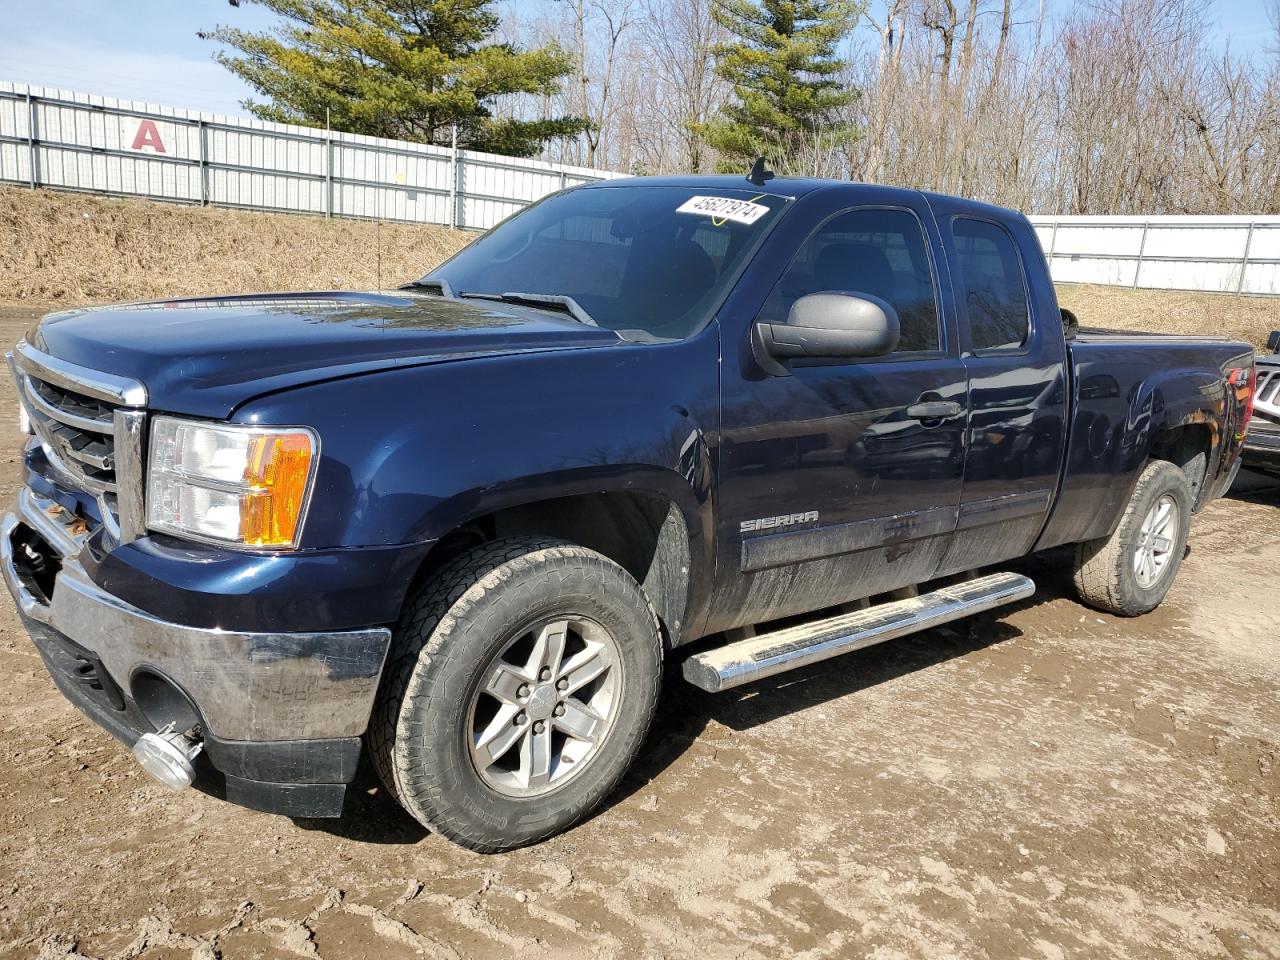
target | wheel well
[
  {"x": 1187, "y": 447},
  {"x": 644, "y": 533}
]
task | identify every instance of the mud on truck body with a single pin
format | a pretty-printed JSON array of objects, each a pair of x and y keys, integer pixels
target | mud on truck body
[{"x": 461, "y": 525}]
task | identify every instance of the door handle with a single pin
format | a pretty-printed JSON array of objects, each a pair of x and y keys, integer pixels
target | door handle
[{"x": 934, "y": 410}]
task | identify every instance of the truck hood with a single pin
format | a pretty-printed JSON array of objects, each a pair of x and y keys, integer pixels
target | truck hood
[{"x": 206, "y": 356}]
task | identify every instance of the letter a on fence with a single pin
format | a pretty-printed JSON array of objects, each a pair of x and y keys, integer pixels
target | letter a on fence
[{"x": 148, "y": 136}]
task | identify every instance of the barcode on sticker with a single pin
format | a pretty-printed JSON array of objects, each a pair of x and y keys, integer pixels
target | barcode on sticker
[{"x": 724, "y": 208}]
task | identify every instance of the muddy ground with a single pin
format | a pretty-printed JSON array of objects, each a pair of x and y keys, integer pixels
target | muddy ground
[{"x": 1045, "y": 783}]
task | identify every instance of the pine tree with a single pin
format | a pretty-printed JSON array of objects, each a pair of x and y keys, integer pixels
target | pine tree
[
  {"x": 783, "y": 67},
  {"x": 408, "y": 69}
]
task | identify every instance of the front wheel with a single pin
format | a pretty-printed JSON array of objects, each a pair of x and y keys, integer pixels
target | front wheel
[
  {"x": 1129, "y": 572},
  {"x": 523, "y": 680}
]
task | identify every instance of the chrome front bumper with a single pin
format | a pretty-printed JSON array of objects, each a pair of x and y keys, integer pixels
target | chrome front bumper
[{"x": 256, "y": 686}]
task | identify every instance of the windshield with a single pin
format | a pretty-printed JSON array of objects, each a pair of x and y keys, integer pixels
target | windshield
[{"x": 649, "y": 258}]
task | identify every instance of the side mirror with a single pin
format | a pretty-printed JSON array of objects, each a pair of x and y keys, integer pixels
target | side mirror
[
  {"x": 1273, "y": 341},
  {"x": 831, "y": 324},
  {"x": 1070, "y": 324}
]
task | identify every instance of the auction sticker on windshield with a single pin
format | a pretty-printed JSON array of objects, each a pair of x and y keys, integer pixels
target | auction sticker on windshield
[{"x": 724, "y": 208}]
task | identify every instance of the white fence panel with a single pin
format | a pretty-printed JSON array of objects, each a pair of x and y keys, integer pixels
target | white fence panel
[
  {"x": 488, "y": 212},
  {"x": 1216, "y": 254},
  {"x": 1265, "y": 244},
  {"x": 75, "y": 141},
  {"x": 1080, "y": 269}
]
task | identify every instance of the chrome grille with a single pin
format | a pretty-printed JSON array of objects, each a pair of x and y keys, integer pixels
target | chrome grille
[
  {"x": 80, "y": 431},
  {"x": 90, "y": 425},
  {"x": 1266, "y": 392}
]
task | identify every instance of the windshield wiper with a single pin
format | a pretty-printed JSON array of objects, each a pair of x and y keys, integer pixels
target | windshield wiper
[
  {"x": 441, "y": 287},
  {"x": 555, "y": 300}
]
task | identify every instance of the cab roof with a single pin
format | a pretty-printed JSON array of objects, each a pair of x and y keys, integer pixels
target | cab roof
[{"x": 794, "y": 187}]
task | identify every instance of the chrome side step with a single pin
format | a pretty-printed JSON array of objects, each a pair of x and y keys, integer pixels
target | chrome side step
[{"x": 771, "y": 653}]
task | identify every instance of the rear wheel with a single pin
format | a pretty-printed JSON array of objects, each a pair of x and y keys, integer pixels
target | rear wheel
[
  {"x": 523, "y": 680},
  {"x": 1129, "y": 572}
]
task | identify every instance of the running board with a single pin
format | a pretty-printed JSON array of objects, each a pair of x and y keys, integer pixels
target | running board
[{"x": 771, "y": 653}]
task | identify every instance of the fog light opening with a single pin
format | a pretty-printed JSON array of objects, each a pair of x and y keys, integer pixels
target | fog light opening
[{"x": 166, "y": 756}]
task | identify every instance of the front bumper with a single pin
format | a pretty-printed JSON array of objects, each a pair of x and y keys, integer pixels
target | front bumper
[{"x": 281, "y": 714}]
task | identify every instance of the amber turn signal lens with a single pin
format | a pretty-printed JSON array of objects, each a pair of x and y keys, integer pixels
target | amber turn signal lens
[
  {"x": 276, "y": 475},
  {"x": 231, "y": 483}
]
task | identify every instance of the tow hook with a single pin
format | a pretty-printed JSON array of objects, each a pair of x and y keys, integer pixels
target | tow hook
[{"x": 166, "y": 756}]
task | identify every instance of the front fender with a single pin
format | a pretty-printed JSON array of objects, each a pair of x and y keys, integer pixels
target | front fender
[
  {"x": 447, "y": 515},
  {"x": 408, "y": 455}
]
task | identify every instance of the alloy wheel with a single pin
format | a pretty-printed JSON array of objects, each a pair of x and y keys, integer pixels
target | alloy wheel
[{"x": 544, "y": 707}]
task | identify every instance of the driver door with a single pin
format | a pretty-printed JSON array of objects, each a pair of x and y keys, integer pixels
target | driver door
[{"x": 833, "y": 486}]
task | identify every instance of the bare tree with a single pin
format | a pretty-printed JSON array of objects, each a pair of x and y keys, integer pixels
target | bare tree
[
  {"x": 677, "y": 37},
  {"x": 1121, "y": 106}
]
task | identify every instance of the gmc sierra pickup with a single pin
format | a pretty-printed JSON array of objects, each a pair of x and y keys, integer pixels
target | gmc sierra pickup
[{"x": 460, "y": 525}]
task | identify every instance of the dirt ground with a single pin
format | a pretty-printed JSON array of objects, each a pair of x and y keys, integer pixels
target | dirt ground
[{"x": 1044, "y": 782}]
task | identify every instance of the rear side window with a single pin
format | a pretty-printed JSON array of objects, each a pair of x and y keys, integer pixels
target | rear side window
[
  {"x": 990, "y": 281},
  {"x": 875, "y": 251}
]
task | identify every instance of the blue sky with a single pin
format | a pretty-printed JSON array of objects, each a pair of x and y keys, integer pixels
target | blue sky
[
  {"x": 148, "y": 49},
  {"x": 133, "y": 49}
]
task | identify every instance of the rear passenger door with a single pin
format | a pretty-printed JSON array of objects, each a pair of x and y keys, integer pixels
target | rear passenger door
[{"x": 1013, "y": 353}]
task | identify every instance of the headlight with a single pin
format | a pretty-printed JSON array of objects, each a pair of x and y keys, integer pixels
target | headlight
[{"x": 230, "y": 484}]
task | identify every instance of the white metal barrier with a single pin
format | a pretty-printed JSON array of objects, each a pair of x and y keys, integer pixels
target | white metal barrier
[
  {"x": 75, "y": 141},
  {"x": 1220, "y": 254}
]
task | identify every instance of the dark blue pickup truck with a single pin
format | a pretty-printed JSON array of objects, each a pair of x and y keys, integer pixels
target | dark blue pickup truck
[{"x": 462, "y": 524}]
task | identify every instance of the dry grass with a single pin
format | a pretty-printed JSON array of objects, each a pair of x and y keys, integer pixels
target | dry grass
[
  {"x": 72, "y": 248},
  {"x": 66, "y": 248},
  {"x": 1173, "y": 311}
]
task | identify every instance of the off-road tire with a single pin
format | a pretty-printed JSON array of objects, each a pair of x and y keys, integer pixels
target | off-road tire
[
  {"x": 451, "y": 629},
  {"x": 1104, "y": 574}
]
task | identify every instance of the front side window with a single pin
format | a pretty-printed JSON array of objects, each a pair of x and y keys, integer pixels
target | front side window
[
  {"x": 646, "y": 258},
  {"x": 989, "y": 278},
  {"x": 880, "y": 252}
]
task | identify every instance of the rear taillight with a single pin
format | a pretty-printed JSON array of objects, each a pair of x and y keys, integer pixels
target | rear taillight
[{"x": 1242, "y": 381}]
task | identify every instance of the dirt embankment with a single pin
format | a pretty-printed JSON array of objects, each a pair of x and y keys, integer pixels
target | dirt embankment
[
  {"x": 1173, "y": 311},
  {"x": 70, "y": 248}
]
